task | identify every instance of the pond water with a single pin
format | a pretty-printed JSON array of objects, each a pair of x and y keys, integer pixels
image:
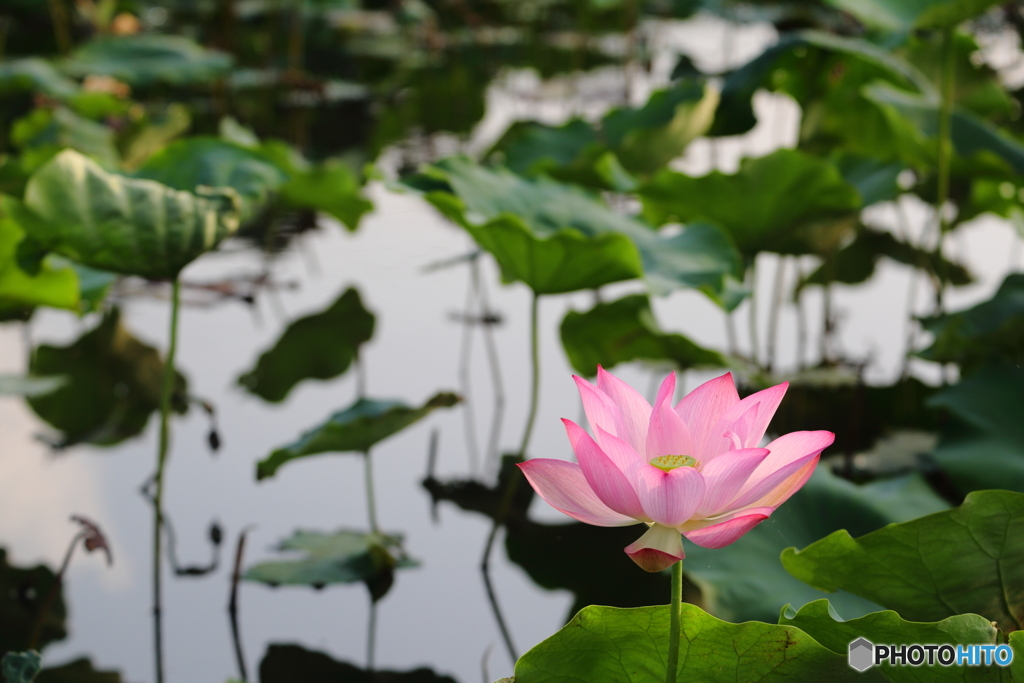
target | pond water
[{"x": 437, "y": 614}]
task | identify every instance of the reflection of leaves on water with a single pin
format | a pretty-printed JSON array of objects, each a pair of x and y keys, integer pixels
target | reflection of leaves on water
[
  {"x": 113, "y": 385},
  {"x": 290, "y": 663},
  {"x": 77, "y": 671},
  {"x": 318, "y": 346},
  {"x": 22, "y": 592},
  {"x": 543, "y": 550}
]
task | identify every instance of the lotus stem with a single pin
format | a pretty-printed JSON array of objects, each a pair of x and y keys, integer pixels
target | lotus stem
[
  {"x": 675, "y": 610},
  {"x": 167, "y": 391},
  {"x": 535, "y": 383},
  {"x": 371, "y": 500}
]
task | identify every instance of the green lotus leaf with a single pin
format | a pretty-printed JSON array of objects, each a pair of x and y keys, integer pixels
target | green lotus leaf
[
  {"x": 210, "y": 162},
  {"x": 615, "y": 645},
  {"x": 354, "y": 429},
  {"x": 982, "y": 445},
  {"x": 990, "y": 331},
  {"x": 534, "y": 228},
  {"x": 957, "y": 561},
  {"x": 125, "y": 225},
  {"x": 731, "y": 591},
  {"x": 625, "y": 330},
  {"x": 905, "y": 15},
  {"x": 318, "y": 346},
  {"x": 145, "y": 59},
  {"x": 53, "y": 284},
  {"x": 818, "y": 620},
  {"x": 341, "y": 557},
  {"x": 787, "y": 202}
]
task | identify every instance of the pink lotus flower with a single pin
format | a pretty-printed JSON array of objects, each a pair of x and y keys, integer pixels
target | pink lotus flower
[{"x": 694, "y": 470}]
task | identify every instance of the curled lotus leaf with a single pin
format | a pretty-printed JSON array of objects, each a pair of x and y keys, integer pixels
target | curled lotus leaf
[{"x": 125, "y": 225}]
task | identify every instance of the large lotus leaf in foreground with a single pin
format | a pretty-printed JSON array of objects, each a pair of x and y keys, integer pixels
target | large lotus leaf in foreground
[
  {"x": 614, "y": 645},
  {"x": 318, "y": 346},
  {"x": 125, "y": 225},
  {"x": 355, "y": 429},
  {"x": 964, "y": 560},
  {"x": 818, "y": 620}
]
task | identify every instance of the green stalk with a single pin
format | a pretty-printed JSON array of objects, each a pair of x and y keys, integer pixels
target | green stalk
[
  {"x": 535, "y": 365},
  {"x": 158, "y": 479},
  {"x": 513, "y": 484},
  {"x": 945, "y": 154},
  {"x": 371, "y": 500},
  {"x": 675, "y": 610}
]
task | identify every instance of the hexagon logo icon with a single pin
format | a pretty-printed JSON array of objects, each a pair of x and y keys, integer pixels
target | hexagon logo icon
[{"x": 862, "y": 654}]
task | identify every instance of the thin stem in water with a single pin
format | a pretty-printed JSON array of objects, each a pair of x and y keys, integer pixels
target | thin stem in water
[
  {"x": 492, "y": 359},
  {"x": 371, "y": 500},
  {"x": 465, "y": 364},
  {"x": 158, "y": 479},
  {"x": 675, "y": 610},
  {"x": 535, "y": 384},
  {"x": 513, "y": 482}
]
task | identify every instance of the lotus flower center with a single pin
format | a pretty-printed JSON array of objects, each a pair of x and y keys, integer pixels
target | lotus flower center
[{"x": 670, "y": 462}]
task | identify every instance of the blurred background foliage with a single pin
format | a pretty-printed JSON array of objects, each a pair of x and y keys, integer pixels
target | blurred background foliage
[{"x": 136, "y": 136}]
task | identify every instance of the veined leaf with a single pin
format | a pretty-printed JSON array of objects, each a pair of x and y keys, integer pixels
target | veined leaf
[
  {"x": 731, "y": 591},
  {"x": 818, "y": 620},
  {"x": 614, "y": 645},
  {"x": 355, "y": 429},
  {"x": 125, "y": 225},
  {"x": 532, "y": 227},
  {"x": 787, "y": 202},
  {"x": 947, "y": 563}
]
